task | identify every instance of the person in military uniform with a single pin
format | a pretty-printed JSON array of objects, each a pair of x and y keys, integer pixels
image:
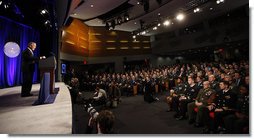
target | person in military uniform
[
  {"x": 188, "y": 97},
  {"x": 199, "y": 81},
  {"x": 238, "y": 123},
  {"x": 213, "y": 83},
  {"x": 224, "y": 103},
  {"x": 205, "y": 97},
  {"x": 175, "y": 93}
]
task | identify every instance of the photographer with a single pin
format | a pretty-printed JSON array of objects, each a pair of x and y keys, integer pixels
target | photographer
[
  {"x": 103, "y": 122},
  {"x": 100, "y": 96}
]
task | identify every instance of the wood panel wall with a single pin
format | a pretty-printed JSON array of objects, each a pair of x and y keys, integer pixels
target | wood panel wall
[{"x": 80, "y": 39}]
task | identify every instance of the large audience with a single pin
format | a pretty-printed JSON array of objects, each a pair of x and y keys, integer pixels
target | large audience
[{"x": 212, "y": 95}]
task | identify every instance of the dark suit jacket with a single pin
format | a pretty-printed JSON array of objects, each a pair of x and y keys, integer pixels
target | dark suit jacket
[{"x": 28, "y": 61}]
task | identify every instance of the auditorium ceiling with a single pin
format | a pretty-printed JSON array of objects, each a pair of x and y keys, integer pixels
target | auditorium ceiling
[{"x": 144, "y": 15}]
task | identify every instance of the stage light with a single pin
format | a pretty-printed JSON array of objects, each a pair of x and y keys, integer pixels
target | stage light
[
  {"x": 44, "y": 11},
  {"x": 219, "y": 1},
  {"x": 47, "y": 22},
  {"x": 6, "y": 6},
  {"x": 180, "y": 17},
  {"x": 126, "y": 17},
  {"x": 196, "y": 10},
  {"x": 166, "y": 23},
  {"x": 143, "y": 33}
]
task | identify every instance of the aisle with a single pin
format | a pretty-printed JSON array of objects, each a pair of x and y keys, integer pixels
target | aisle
[{"x": 134, "y": 116}]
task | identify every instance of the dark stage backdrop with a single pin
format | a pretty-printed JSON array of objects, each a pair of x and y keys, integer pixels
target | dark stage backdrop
[{"x": 10, "y": 68}]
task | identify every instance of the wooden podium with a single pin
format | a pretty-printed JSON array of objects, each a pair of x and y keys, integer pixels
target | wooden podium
[{"x": 48, "y": 65}]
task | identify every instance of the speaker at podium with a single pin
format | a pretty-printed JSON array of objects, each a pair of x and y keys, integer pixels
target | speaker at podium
[{"x": 48, "y": 65}]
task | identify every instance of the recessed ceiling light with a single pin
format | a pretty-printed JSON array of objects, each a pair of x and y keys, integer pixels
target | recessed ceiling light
[
  {"x": 211, "y": 8},
  {"x": 180, "y": 17},
  {"x": 159, "y": 14},
  {"x": 166, "y": 23},
  {"x": 196, "y": 10},
  {"x": 135, "y": 23},
  {"x": 91, "y": 5}
]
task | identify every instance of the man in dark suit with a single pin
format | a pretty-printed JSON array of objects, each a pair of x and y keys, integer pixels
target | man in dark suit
[{"x": 28, "y": 63}]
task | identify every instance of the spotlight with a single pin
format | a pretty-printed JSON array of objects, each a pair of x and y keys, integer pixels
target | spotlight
[
  {"x": 44, "y": 11},
  {"x": 155, "y": 28},
  {"x": 126, "y": 17},
  {"x": 196, "y": 10},
  {"x": 180, "y": 17},
  {"x": 6, "y": 6},
  {"x": 219, "y": 1},
  {"x": 47, "y": 22},
  {"x": 1, "y": 2},
  {"x": 143, "y": 33},
  {"x": 134, "y": 37},
  {"x": 159, "y": 24},
  {"x": 166, "y": 23}
]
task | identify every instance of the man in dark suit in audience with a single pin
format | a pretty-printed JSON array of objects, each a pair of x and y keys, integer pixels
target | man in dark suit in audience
[{"x": 28, "y": 63}]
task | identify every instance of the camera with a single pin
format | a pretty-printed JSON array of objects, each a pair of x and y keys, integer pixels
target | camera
[{"x": 91, "y": 110}]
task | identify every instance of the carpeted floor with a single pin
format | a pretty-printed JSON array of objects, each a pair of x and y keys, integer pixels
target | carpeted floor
[{"x": 134, "y": 116}]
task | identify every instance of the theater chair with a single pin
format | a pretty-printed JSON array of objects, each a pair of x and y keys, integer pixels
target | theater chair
[{"x": 211, "y": 113}]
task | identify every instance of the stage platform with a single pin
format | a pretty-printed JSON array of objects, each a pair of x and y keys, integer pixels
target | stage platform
[{"x": 19, "y": 116}]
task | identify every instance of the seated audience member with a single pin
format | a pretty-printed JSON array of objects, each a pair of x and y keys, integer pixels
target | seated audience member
[
  {"x": 223, "y": 105},
  {"x": 204, "y": 98},
  {"x": 173, "y": 98},
  {"x": 103, "y": 123},
  {"x": 188, "y": 97},
  {"x": 199, "y": 81},
  {"x": 213, "y": 83},
  {"x": 238, "y": 123}
]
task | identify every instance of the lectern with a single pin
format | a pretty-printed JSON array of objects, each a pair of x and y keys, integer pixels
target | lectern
[{"x": 48, "y": 65}]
